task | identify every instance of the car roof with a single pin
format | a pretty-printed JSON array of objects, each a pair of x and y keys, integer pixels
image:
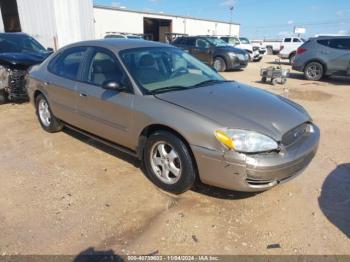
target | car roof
[
  {"x": 119, "y": 44},
  {"x": 331, "y": 37}
]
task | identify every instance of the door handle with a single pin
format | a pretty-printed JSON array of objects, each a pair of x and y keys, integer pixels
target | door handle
[{"x": 82, "y": 95}]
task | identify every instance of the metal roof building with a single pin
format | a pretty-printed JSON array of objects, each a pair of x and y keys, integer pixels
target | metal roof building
[
  {"x": 113, "y": 19},
  {"x": 56, "y": 23}
]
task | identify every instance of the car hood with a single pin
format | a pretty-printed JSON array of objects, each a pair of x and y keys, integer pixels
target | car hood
[
  {"x": 24, "y": 60},
  {"x": 235, "y": 105}
]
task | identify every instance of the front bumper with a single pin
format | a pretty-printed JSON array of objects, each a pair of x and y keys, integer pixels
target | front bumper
[
  {"x": 238, "y": 63},
  {"x": 255, "y": 172}
]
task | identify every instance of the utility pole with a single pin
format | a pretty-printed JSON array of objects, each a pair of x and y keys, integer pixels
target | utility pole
[{"x": 231, "y": 16}]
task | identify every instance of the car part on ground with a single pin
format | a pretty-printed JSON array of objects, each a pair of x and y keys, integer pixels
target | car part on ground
[
  {"x": 274, "y": 74},
  {"x": 214, "y": 52},
  {"x": 323, "y": 56},
  {"x": 176, "y": 114},
  {"x": 18, "y": 52}
]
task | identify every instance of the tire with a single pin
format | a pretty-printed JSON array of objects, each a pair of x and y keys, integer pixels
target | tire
[
  {"x": 269, "y": 51},
  {"x": 161, "y": 147},
  {"x": 258, "y": 60},
  {"x": 3, "y": 97},
  {"x": 314, "y": 71},
  {"x": 292, "y": 58},
  {"x": 283, "y": 81},
  {"x": 220, "y": 64},
  {"x": 263, "y": 79},
  {"x": 45, "y": 116},
  {"x": 274, "y": 81}
]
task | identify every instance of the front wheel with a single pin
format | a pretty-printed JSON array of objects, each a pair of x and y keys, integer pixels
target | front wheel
[
  {"x": 47, "y": 120},
  {"x": 314, "y": 71},
  {"x": 168, "y": 162},
  {"x": 220, "y": 64}
]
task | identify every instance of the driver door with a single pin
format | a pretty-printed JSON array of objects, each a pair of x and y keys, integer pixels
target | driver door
[{"x": 106, "y": 113}]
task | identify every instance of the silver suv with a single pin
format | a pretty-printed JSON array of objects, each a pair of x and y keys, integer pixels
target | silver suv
[{"x": 324, "y": 56}]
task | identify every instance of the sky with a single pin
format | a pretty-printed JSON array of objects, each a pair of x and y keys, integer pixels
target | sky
[{"x": 258, "y": 18}]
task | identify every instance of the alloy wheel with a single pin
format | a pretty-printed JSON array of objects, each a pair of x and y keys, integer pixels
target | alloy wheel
[
  {"x": 165, "y": 163},
  {"x": 44, "y": 113}
]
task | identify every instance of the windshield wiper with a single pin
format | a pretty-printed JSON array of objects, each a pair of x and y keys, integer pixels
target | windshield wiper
[
  {"x": 211, "y": 81},
  {"x": 168, "y": 89}
]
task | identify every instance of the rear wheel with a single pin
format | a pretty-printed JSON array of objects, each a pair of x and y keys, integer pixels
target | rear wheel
[
  {"x": 314, "y": 71},
  {"x": 220, "y": 64},
  {"x": 168, "y": 162},
  {"x": 3, "y": 97},
  {"x": 47, "y": 120},
  {"x": 292, "y": 58},
  {"x": 269, "y": 50}
]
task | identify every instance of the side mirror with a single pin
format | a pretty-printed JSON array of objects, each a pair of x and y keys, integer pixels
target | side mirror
[
  {"x": 50, "y": 49},
  {"x": 114, "y": 86}
]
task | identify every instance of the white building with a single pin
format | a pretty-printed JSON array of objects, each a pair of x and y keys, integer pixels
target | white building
[
  {"x": 112, "y": 19},
  {"x": 56, "y": 23}
]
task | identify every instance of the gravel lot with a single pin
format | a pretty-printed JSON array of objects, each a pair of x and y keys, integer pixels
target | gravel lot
[{"x": 65, "y": 194}]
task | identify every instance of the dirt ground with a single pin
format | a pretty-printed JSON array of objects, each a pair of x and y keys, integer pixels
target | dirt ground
[{"x": 66, "y": 194}]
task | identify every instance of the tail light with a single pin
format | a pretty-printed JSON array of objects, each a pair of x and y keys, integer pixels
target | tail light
[
  {"x": 301, "y": 50},
  {"x": 281, "y": 48}
]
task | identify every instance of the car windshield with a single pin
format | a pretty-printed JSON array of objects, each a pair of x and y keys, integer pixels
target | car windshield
[
  {"x": 216, "y": 41},
  {"x": 165, "y": 69},
  {"x": 233, "y": 41},
  {"x": 244, "y": 40},
  {"x": 20, "y": 44}
]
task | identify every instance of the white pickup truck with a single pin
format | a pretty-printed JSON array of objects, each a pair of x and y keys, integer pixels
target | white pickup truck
[{"x": 289, "y": 46}]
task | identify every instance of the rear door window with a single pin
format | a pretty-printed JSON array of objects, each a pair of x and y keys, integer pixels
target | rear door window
[
  {"x": 288, "y": 40},
  {"x": 324, "y": 42},
  {"x": 343, "y": 43},
  {"x": 68, "y": 63}
]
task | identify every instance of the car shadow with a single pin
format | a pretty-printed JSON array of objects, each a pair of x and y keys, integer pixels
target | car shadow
[
  {"x": 198, "y": 187},
  {"x": 92, "y": 255},
  {"x": 221, "y": 193},
  {"x": 283, "y": 63},
  {"x": 335, "y": 80},
  {"x": 335, "y": 198},
  {"x": 105, "y": 148}
]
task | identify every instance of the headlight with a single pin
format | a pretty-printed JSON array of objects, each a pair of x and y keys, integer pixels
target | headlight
[{"x": 245, "y": 141}]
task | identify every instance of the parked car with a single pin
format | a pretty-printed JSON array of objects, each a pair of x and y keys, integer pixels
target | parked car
[
  {"x": 18, "y": 52},
  {"x": 214, "y": 52},
  {"x": 122, "y": 35},
  {"x": 176, "y": 114},
  {"x": 289, "y": 48},
  {"x": 324, "y": 56},
  {"x": 244, "y": 44},
  {"x": 273, "y": 46},
  {"x": 260, "y": 46}
]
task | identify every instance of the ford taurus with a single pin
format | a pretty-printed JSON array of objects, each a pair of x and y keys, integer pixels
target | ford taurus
[{"x": 176, "y": 114}]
